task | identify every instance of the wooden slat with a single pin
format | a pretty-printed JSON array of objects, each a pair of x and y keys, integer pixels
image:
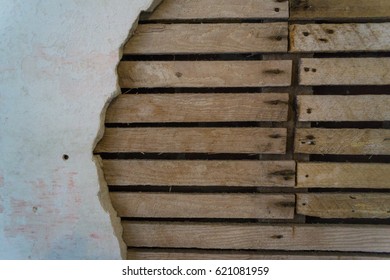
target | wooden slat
[
  {"x": 219, "y": 9},
  {"x": 343, "y": 175},
  {"x": 340, "y": 37},
  {"x": 344, "y": 205},
  {"x": 200, "y": 173},
  {"x": 140, "y": 108},
  {"x": 363, "y": 238},
  {"x": 208, "y": 38},
  {"x": 339, "y": 9},
  {"x": 183, "y": 254},
  {"x": 342, "y": 141},
  {"x": 194, "y": 140},
  {"x": 150, "y": 74},
  {"x": 344, "y": 108},
  {"x": 345, "y": 71},
  {"x": 199, "y": 205}
]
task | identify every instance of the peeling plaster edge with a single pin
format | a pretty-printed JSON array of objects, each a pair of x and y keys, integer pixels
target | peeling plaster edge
[{"x": 103, "y": 194}]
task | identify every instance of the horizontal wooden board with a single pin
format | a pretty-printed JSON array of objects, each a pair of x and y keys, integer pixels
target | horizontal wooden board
[
  {"x": 343, "y": 108},
  {"x": 343, "y": 175},
  {"x": 339, "y": 9},
  {"x": 342, "y": 141},
  {"x": 340, "y": 37},
  {"x": 187, "y": 254},
  {"x": 200, "y": 205},
  {"x": 208, "y": 38},
  {"x": 194, "y": 140},
  {"x": 345, "y": 71},
  {"x": 344, "y": 205},
  {"x": 219, "y": 9},
  {"x": 146, "y": 108},
  {"x": 149, "y": 74},
  {"x": 200, "y": 173},
  {"x": 357, "y": 238}
]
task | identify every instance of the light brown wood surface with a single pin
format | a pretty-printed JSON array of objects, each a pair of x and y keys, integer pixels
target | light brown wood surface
[
  {"x": 340, "y": 37},
  {"x": 343, "y": 175},
  {"x": 200, "y": 173},
  {"x": 199, "y": 205},
  {"x": 345, "y": 71},
  {"x": 219, "y": 9},
  {"x": 150, "y": 74},
  {"x": 343, "y": 107},
  {"x": 342, "y": 141},
  {"x": 339, "y": 9},
  {"x": 183, "y": 254},
  {"x": 357, "y": 238},
  {"x": 218, "y": 107},
  {"x": 208, "y": 38},
  {"x": 344, "y": 205},
  {"x": 194, "y": 140}
]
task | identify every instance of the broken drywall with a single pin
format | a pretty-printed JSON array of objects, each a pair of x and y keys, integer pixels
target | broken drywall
[{"x": 57, "y": 70}]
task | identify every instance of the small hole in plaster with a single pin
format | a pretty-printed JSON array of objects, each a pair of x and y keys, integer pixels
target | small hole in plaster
[
  {"x": 35, "y": 209},
  {"x": 65, "y": 157}
]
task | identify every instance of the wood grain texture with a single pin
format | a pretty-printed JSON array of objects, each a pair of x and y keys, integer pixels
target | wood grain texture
[
  {"x": 339, "y": 9},
  {"x": 148, "y": 74},
  {"x": 200, "y": 205},
  {"x": 144, "y": 108},
  {"x": 357, "y": 238},
  {"x": 345, "y": 71},
  {"x": 340, "y": 37},
  {"x": 343, "y": 108},
  {"x": 186, "y": 254},
  {"x": 200, "y": 173},
  {"x": 344, "y": 205},
  {"x": 343, "y": 175},
  {"x": 208, "y": 38},
  {"x": 342, "y": 141},
  {"x": 219, "y": 9},
  {"x": 194, "y": 140}
]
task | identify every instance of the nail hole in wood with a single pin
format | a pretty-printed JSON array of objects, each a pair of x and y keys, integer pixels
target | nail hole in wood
[
  {"x": 313, "y": 70},
  {"x": 305, "y": 33},
  {"x": 307, "y": 175},
  {"x": 277, "y": 10},
  {"x": 307, "y": 69},
  {"x": 308, "y": 110},
  {"x": 178, "y": 74}
]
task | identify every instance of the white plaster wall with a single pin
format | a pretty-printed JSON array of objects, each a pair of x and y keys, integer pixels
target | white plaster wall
[{"x": 57, "y": 71}]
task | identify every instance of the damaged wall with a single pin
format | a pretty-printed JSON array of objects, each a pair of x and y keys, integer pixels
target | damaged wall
[{"x": 57, "y": 71}]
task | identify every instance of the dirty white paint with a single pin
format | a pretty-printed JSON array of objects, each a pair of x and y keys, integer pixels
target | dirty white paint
[{"x": 57, "y": 70}]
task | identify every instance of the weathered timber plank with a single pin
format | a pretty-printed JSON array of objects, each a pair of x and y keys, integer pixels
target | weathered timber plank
[
  {"x": 200, "y": 173},
  {"x": 140, "y": 108},
  {"x": 343, "y": 108},
  {"x": 186, "y": 254},
  {"x": 340, "y": 37},
  {"x": 344, "y": 205},
  {"x": 219, "y": 9},
  {"x": 339, "y": 10},
  {"x": 150, "y": 74},
  {"x": 343, "y": 175},
  {"x": 194, "y": 140},
  {"x": 342, "y": 141},
  {"x": 198, "y": 205},
  {"x": 345, "y": 71},
  {"x": 208, "y": 38},
  {"x": 363, "y": 238}
]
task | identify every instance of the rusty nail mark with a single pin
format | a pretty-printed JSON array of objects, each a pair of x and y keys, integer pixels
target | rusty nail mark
[
  {"x": 313, "y": 70},
  {"x": 307, "y": 69},
  {"x": 276, "y": 102},
  {"x": 277, "y": 236},
  {"x": 308, "y": 110},
  {"x": 273, "y": 71},
  {"x": 275, "y": 136}
]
